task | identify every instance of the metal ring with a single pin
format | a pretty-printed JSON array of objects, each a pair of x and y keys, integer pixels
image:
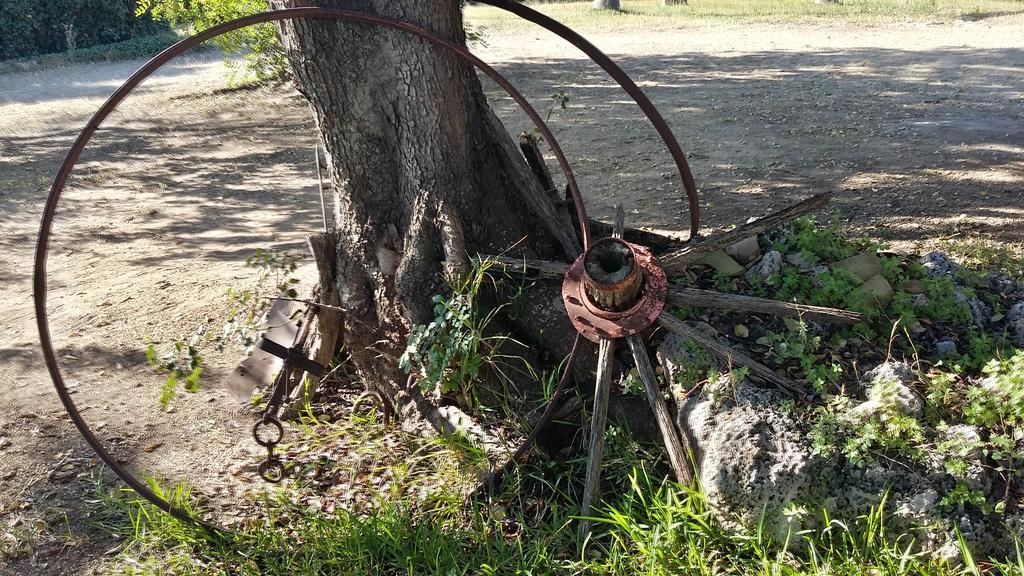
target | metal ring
[
  {"x": 271, "y": 470},
  {"x": 627, "y": 84},
  {"x": 272, "y": 423},
  {"x": 50, "y": 208}
]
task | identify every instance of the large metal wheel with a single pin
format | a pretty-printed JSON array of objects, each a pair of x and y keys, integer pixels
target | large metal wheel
[{"x": 69, "y": 163}]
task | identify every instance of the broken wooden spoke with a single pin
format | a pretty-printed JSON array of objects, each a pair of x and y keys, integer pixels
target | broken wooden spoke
[
  {"x": 730, "y": 355},
  {"x": 678, "y": 456},
  {"x": 677, "y": 261}
]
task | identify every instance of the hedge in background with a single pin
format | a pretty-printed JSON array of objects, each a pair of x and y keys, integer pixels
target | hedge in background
[{"x": 33, "y": 27}]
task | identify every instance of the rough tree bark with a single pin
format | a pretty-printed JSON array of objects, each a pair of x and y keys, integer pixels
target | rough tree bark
[
  {"x": 606, "y": 4},
  {"x": 424, "y": 174}
]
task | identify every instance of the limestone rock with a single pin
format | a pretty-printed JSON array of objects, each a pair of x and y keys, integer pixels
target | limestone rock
[
  {"x": 745, "y": 251},
  {"x": 751, "y": 459},
  {"x": 864, "y": 265},
  {"x": 723, "y": 263},
  {"x": 876, "y": 290},
  {"x": 939, "y": 264},
  {"x": 756, "y": 465},
  {"x": 1015, "y": 323},
  {"x": 770, "y": 265},
  {"x": 890, "y": 382}
]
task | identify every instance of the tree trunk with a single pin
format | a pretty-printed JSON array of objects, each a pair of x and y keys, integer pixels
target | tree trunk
[
  {"x": 606, "y": 4},
  {"x": 424, "y": 175}
]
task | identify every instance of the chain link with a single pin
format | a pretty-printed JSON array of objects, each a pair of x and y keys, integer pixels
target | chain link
[{"x": 271, "y": 469}]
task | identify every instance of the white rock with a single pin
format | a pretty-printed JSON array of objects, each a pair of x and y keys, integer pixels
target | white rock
[
  {"x": 770, "y": 265},
  {"x": 890, "y": 382},
  {"x": 919, "y": 507},
  {"x": 939, "y": 264}
]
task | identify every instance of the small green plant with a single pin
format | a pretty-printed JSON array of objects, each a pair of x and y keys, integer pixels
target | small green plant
[
  {"x": 997, "y": 406},
  {"x": 560, "y": 100},
  {"x": 721, "y": 386},
  {"x": 821, "y": 243},
  {"x": 275, "y": 278},
  {"x": 449, "y": 353},
  {"x": 694, "y": 368},
  {"x": 806, "y": 349},
  {"x": 862, "y": 435},
  {"x": 183, "y": 364},
  {"x": 961, "y": 496}
]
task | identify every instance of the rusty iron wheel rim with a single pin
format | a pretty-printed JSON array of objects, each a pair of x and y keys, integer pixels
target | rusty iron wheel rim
[{"x": 60, "y": 181}]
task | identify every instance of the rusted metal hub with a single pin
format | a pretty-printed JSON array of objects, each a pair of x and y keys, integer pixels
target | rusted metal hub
[{"x": 615, "y": 289}]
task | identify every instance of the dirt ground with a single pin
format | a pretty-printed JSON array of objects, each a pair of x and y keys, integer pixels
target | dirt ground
[{"x": 919, "y": 129}]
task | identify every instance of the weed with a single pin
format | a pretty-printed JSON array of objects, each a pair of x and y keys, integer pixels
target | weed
[
  {"x": 448, "y": 353},
  {"x": 800, "y": 346},
  {"x": 961, "y": 496},
  {"x": 182, "y": 364},
  {"x": 863, "y": 435}
]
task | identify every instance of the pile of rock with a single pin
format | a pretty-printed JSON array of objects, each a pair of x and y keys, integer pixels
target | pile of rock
[
  {"x": 757, "y": 464},
  {"x": 757, "y": 467}
]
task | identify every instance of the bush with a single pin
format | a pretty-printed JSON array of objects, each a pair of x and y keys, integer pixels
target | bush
[{"x": 29, "y": 28}]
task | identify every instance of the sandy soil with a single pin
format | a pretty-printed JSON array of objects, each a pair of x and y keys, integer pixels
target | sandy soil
[{"x": 918, "y": 128}]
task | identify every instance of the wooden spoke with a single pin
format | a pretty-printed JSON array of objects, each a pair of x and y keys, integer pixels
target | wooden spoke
[
  {"x": 545, "y": 269},
  {"x": 678, "y": 456},
  {"x": 675, "y": 262},
  {"x": 598, "y": 422},
  {"x": 740, "y": 303},
  {"x": 730, "y": 355}
]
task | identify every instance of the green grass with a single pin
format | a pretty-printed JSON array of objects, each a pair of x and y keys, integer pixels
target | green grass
[
  {"x": 653, "y": 528},
  {"x": 648, "y": 15},
  {"x": 985, "y": 253},
  {"x": 645, "y": 526}
]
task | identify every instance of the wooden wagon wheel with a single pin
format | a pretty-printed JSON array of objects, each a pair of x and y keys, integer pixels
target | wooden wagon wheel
[{"x": 60, "y": 181}]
